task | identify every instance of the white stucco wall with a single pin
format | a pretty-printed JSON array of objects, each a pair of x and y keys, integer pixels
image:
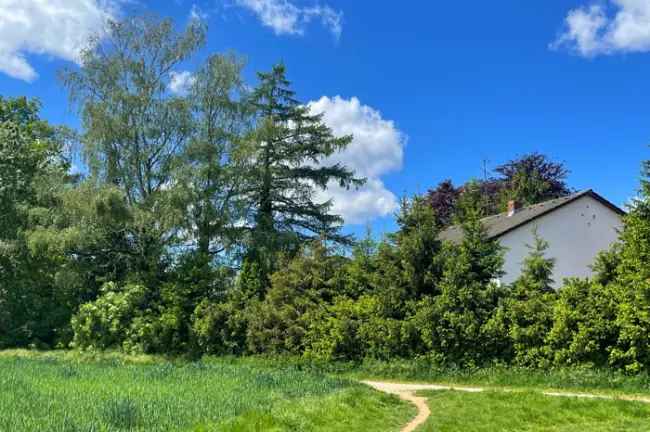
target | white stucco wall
[{"x": 575, "y": 232}]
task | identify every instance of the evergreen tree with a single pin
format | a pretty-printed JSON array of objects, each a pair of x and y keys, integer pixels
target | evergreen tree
[
  {"x": 530, "y": 309},
  {"x": 456, "y": 323},
  {"x": 284, "y": 159},
  {"x": 418, "y": 247},
  {"x": 633, "y": 284}
]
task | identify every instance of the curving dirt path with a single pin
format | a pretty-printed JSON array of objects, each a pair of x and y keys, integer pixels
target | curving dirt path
[{"x": 407, "y": 392}]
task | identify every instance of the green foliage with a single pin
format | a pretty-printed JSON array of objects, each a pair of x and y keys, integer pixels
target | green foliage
[
  {"x": 33, "y": 311},
  {"x": 107, "y": 322},
  {"x": 457, "y": 321},
  {"x": 632, "y": 285},
  {"x": 529, "y": 179},
  {"x": 584, "y": 324},
  {"x": 418, "y": 247},
  {"x": 219, "y": 328},
  {"x": 280, "y": 322},
  {"x": 357, "y": 329},
  {"x": 285, "y": 166},
  {"x": 529, "y": 309}
]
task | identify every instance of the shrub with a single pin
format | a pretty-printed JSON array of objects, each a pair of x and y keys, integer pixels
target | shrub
[
  {"x": 105, "y": 323},
  {"x": 357, "y": 329},
  {"x": 529, "y": 310},
  {"x": 457, "y": 323},
  {"x": 220, "y": 328},
  {"x": 584, "y": 329}
]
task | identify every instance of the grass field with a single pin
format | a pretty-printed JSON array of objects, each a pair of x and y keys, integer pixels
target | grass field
[
  {"x": 527, "y": 411},
  {"x": 65, "y": 392},
  {"x": 73, "y": 392}
]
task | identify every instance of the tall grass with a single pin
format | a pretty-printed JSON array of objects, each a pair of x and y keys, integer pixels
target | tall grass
[
  {"x": 422, "y": 369},
  {"x": 71, "y": 392}
]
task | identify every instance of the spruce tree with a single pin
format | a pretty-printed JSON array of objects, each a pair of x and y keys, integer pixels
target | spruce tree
[
  {"x": 284, "y": 156},
  {"x": 530, "y": 310},
  {"x": 633, "y": 284}
]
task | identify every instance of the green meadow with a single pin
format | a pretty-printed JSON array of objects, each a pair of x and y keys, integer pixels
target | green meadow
[
  {"x": 69, "y": 392},
  {"x": 534, "y": 412}
]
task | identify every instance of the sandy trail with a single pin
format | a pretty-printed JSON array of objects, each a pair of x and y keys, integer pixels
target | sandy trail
[{"x": 407, "y": 392}]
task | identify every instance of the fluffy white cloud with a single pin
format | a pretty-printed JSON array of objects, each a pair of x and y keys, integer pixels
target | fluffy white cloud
[
  {"x": 57, "y": 28},
  {"x": 285, "y": 17},
  {"x": 377, "y": 148},
  {"x": 614, "y": 27},
  {"x": 180, "y": 82}
]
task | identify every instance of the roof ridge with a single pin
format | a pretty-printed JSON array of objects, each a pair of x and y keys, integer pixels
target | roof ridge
[{"x": 500, "y": 223}]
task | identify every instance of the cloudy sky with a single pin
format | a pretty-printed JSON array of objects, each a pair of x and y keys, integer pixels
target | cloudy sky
[{"x": 430, "y": 90}]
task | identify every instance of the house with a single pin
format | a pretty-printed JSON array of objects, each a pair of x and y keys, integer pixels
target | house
[{"x": 577, "y": 227}]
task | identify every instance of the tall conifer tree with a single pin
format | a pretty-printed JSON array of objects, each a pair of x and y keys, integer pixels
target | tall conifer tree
[{"x": 285, "y": 156}]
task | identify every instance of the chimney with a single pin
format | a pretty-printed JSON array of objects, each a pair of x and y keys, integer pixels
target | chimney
[{"x": 512, "y": 207}]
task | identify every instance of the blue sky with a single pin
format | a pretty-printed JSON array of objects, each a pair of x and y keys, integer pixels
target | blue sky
[{"x": 432, "y": 88}]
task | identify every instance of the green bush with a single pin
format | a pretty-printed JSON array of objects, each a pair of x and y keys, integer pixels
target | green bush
[
  {"x": 584, "y": 329},
  {"x": 106, "y": 322},
  {"x": 457, "y": 323},
  {"x": 529, "y": 308},
  {"x": 357, "y": 329},
  {"x": 220, "y": 328}
]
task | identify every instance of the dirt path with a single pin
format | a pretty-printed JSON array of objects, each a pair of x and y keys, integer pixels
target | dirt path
[{"x": 407, "y": 392}]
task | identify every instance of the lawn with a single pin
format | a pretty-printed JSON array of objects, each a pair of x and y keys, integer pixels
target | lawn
[
  {"x": 69, "y": 392},
  {"x": 533, "y": 412}
]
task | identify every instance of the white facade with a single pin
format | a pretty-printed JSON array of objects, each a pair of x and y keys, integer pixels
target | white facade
[{"x": 576, "y": 233}]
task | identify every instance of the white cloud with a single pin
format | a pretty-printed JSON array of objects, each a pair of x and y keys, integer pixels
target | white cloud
[
  {"x": 285, "y": 17},
  {"x": 196, "y": 13},
  {"x": 56, "y": 28},
  {"x": 618, "y": 26},
  {"x": 181, "y": 82},
  {"x": 377, "y": 149}
]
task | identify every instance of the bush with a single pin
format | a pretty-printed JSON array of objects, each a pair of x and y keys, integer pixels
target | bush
[
  {"x": 529, "y": 310},
  {"x": 220, "y": 328},
  {"x": 106, "y": 322},
  {"x": 457, "y": 323},
  {"x": 357, "y": 329},
  {"x": 584, "y": 329}
]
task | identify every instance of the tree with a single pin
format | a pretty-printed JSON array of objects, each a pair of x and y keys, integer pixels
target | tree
[
  {"x": 28, "y": 148},
  {"x": 135, "y": 132},
  {"x": 530, "y": 308},
  {"x": 533, "y": 178},
  {"x": 305, "y": 283},
  {"x": 210, "y": 176},
  {"x": 33, "y": 170},
  {"x": 632, "y": 284},
  {"x": 443, "y": 201},
  {"x": 455, "y": 323},
  {"x": 530, "y": 179},
  {"x": 284, "y": 159},
  {"x": 418, "y": 248}
]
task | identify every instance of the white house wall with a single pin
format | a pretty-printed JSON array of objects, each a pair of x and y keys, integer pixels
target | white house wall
[{"x": 576, "y": 232}]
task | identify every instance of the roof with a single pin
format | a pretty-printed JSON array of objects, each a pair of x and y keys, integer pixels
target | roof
[{"x": 501, "y": 224}]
